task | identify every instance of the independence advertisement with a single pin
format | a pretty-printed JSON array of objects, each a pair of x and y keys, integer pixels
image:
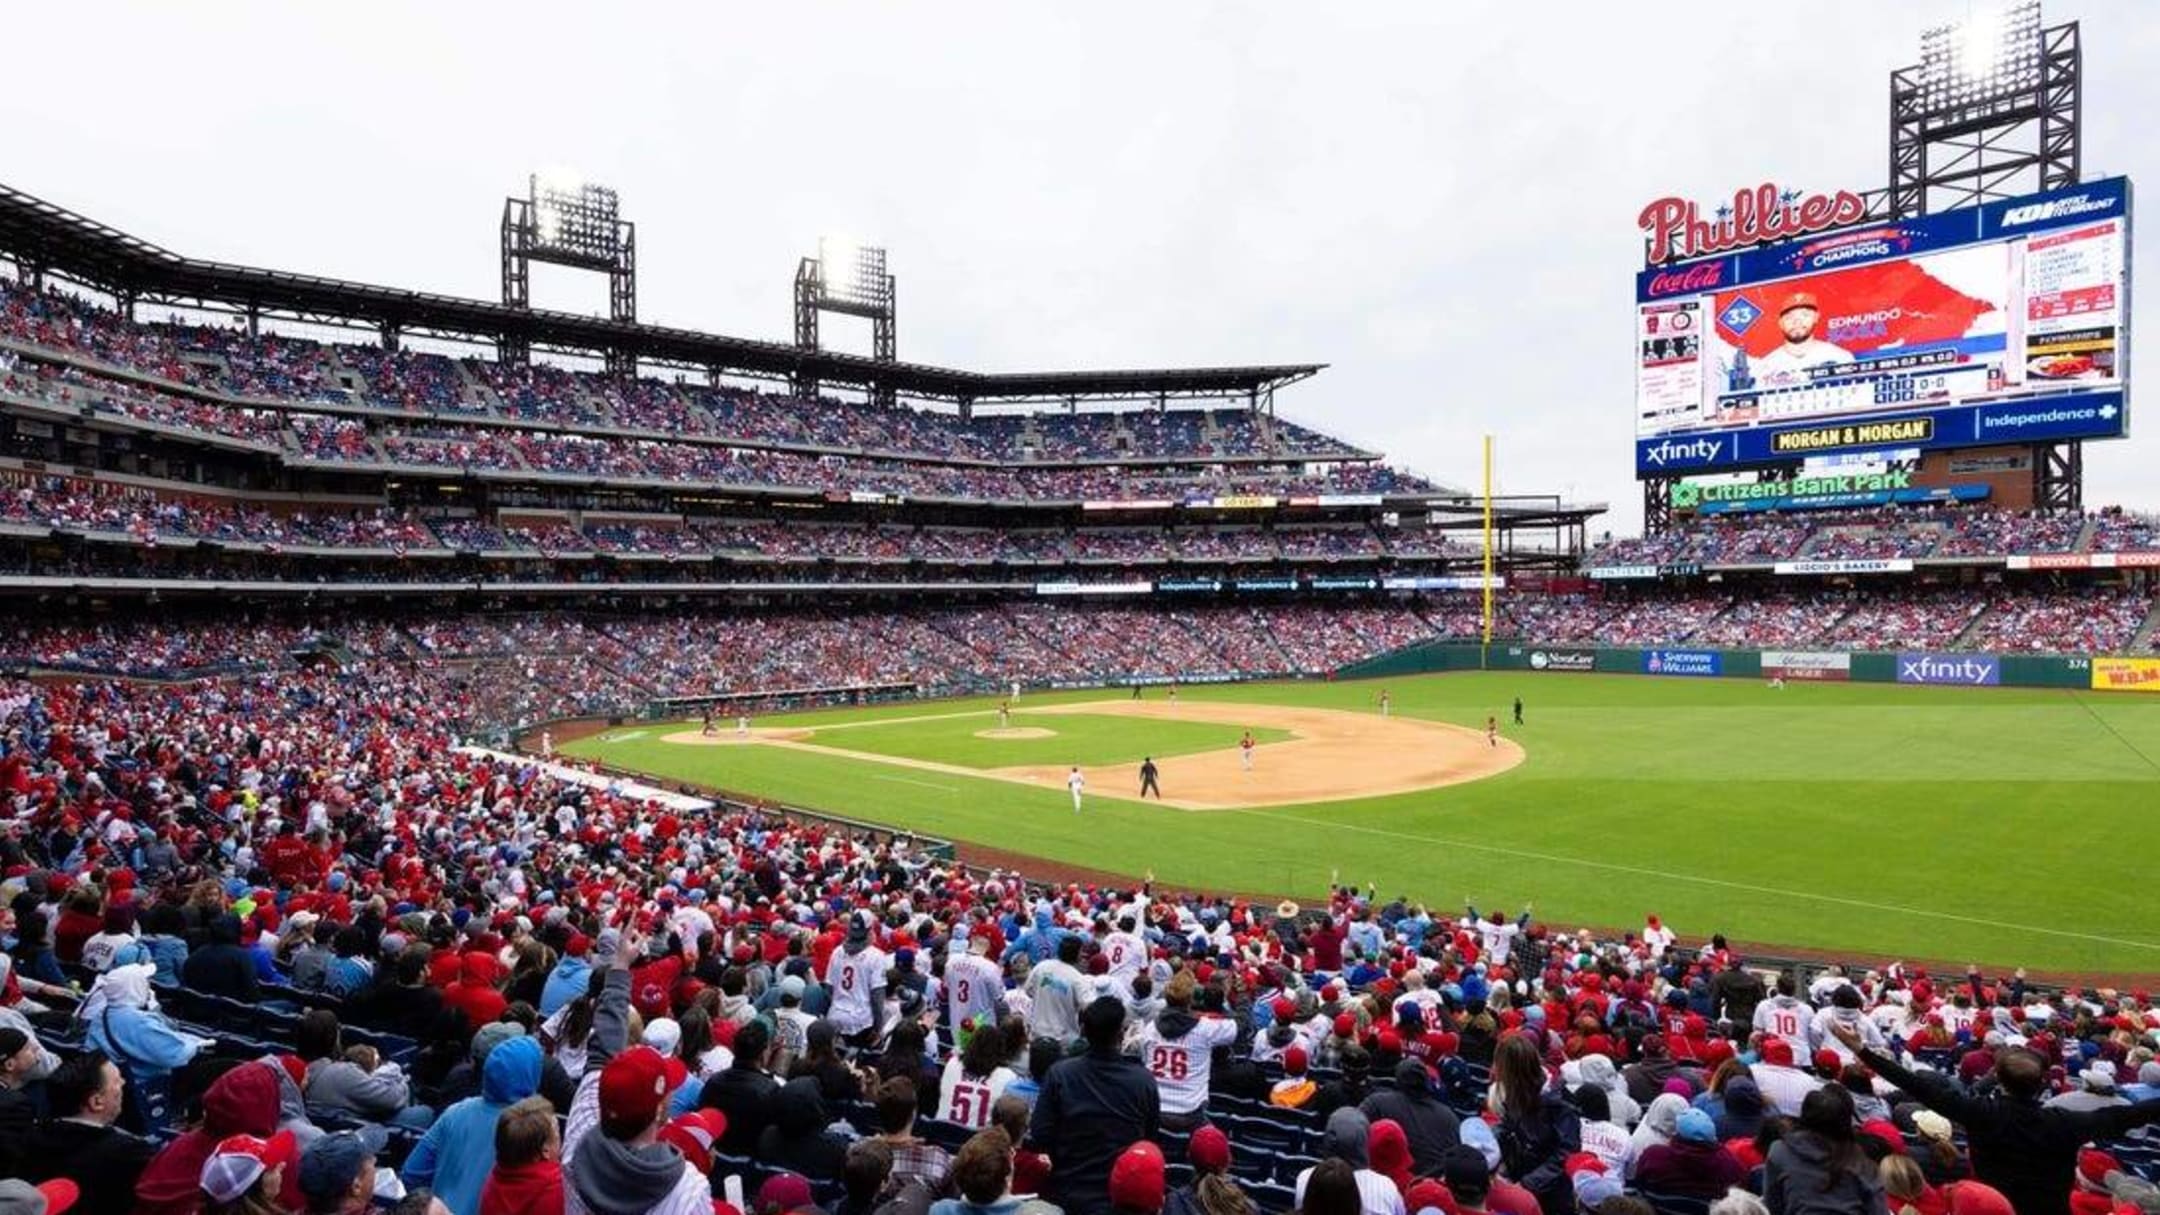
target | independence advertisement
[{"x": 1804, "y": 348}]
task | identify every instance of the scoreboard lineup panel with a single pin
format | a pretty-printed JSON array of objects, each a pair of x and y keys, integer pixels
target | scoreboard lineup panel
[{"x": 1969, "y": 319}]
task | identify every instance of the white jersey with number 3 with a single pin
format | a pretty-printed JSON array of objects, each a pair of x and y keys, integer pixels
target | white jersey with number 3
[
  {"x": 857, "y": 981},
  {"x": 1181, "y": 1066},
  {"x": 972, "y": 987}
]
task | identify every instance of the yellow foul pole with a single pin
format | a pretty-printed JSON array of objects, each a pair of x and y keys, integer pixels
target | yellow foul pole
[{"x": 1488, "y": 541}]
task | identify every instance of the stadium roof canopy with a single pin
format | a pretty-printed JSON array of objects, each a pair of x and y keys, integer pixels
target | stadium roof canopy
[{"x": 69, "y": 244}]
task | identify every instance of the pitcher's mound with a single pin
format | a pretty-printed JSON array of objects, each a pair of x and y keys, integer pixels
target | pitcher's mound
[
  {"x": 1017, "y": 732},
  {"x": 728, "y": 737}
]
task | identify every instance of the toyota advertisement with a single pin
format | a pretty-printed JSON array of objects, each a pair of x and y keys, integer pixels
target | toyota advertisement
[{"x": 2004, "y": 323}]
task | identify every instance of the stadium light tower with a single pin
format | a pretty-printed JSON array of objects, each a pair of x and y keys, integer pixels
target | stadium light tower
[
  {"x": 564, "y": 220},
  {"x": 850, "y": 279},
  {"x": 1991, "y": 111}
]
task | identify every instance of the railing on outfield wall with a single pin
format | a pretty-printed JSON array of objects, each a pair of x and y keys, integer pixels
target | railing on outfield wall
[{"x": 2100, "y": 672}]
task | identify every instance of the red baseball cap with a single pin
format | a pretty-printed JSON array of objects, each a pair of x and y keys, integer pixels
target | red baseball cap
[
  {"x": 1137, "y": 1178},
  {"x": 1209, "y": 1151},
  {"x": 239, "y": 1161},
  {"x": 633, "y": 1087},
  {"x": 694, "y": 1135},
  {"x": 1799, "y": 299},
  {"x": 1777, "y": 1052}
]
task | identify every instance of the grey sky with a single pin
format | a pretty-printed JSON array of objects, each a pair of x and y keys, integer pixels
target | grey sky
[{"x": 1436, "y": 198}]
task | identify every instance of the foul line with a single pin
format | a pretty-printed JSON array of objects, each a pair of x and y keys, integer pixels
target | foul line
[
  {"x": 2085, "y": 703},
  {"x": 1641, "y": 871}
]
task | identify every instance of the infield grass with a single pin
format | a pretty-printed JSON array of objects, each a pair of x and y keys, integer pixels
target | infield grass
[{"x": 2001, "y": 826}]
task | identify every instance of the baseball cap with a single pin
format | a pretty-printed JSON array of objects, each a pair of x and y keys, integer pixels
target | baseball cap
[
  {"x": 1295, "y": 1061},
  {"x": 783, "y": 1192},
  {"x": 1137, "y": 1179},
  {"x": 332, "y": 1163},
  {"x": 1209, "y": 1151},
  {"x": 1777, "y": 1052},
  {"x": 239, "y": 1161},
  {"x": 663, "y": 1034},
  {"x": 633, "y": 1086},
  {"x": 1465, "y": 1171},
  {"x": 1799, "y": 299},
  {"x": 49, "y": 1198},
  {"x": 791, "y": 987},
  {"x": 1695, "y": 1126},
  {"x": 1827, "y": 1060},
  {"x": 1429, "y": 1195},
  {"x": 694, "y": 1135},
  {"x": 1593, "y": 1189}
]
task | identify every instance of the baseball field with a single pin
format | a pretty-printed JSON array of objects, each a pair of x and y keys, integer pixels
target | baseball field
[{"x": 1990, "y": 825}]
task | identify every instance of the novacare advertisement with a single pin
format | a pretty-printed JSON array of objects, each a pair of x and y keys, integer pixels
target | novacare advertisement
[
  {"x": 1683, "y": 662},
  {"x": 2126, "y": 674},
  {"x": 1807, "y": 664},
  {"x": 1563, "y": 660},
  {"x": 1971, "y": 670}
]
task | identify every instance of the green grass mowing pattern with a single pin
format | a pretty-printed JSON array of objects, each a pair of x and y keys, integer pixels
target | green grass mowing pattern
[
  {"x": 1081, "y": 738},
  {"x": 1993, "y": 825}
]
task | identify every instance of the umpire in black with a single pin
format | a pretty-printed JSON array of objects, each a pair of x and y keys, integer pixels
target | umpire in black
[{"x": 1148, "y": 773}]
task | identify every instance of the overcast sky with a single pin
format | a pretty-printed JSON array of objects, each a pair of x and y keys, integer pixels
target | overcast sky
[{"x": 1437, "y": 199}]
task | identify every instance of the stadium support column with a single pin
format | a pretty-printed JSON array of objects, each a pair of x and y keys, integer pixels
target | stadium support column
[
  {"x": 2059, "y": 478},
  {"x": 1656, "y": 505}
]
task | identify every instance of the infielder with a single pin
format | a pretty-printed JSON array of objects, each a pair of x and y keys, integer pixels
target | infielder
[
  {"x": 1385, "y": 702},
  {"x": 1245, "y": 746},
  {"x": 742, "y": 725},
  {"x": 707, "y": 729},
  {"x": 1148, "y": 773},
  {"x": 1004, "y": 714},
  {"x": 1492, "y": 731},
  {"x": 1518, "y": 711},
  {"x": 1076, "y": 783}
]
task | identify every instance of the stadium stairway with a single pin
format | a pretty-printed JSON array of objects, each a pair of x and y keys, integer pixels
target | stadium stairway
[
  {"x": 2141, "y": 641},
  {"x": 1972, "y": 628}
]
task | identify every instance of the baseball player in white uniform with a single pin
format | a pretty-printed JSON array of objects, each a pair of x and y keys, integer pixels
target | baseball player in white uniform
[
  {"x": 1076, "y": 783},
  {"x": 1789, "y": 364}
]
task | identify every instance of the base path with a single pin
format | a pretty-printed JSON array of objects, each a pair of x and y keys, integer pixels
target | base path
[
  {"x": 1335, "y": 755},
  {"x": 729, "y": 738}
]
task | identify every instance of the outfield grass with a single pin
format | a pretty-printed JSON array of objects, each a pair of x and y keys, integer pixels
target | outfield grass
[
  {"x": 2001, "y": 826},
  {"x": 949, "y": 736}
]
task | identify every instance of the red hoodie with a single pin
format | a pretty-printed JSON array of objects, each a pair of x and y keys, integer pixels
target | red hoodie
[
  {"x": 243, "y": 1101},
  {"x": 523, "y": 1189}
]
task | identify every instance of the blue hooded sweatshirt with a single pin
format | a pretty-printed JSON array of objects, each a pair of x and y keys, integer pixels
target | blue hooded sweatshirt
[
  {"x": 458, "y": 1152},
  {"x": 565, "y": 983}
]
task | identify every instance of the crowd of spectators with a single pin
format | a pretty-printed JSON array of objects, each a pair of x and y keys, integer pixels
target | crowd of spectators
[
  {"x": 227, "y": 360},
  {"x": 1890, "y": 533},
  {"x": 367, "y": 966}
]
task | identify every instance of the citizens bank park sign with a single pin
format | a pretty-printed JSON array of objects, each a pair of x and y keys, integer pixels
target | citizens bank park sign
[{"x": 1677, "y": 230}]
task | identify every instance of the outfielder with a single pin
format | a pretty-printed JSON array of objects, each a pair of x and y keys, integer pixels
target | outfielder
[
  {"x": 1076, "y": 783},
  {"x": 1148, "y": 772},
  {"x": 1245, "y": 746},
  {"x": 1385, "y": 702},
  {"x": 1004, "y": 714}
]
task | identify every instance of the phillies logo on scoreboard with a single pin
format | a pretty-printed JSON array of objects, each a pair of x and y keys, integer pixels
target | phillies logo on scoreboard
[
  {"x": 1761, "y": 216},
  {"x": 1690, "y": 280}
]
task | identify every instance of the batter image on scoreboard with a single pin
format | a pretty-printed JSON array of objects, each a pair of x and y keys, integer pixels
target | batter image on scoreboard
[{"x": 1801, "y": 352}]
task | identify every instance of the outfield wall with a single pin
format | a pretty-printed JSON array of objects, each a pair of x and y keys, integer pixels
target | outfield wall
[{"x": 2098, "y": 672}]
